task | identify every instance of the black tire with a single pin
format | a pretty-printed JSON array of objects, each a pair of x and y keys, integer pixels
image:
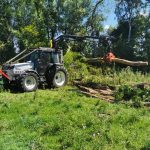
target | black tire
[
  {"x": 29, "y": 82},
  {"x": 6, "y": 84},
  {"x": 57, "y": 77}
]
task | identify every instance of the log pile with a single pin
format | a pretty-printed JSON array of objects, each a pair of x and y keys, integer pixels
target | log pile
[
  {"x": 105, "y": 92},
  {"x": 106, "y": 95}
]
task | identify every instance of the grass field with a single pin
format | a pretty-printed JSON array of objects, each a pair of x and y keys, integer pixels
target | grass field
[{"x": 65, "y": 119}]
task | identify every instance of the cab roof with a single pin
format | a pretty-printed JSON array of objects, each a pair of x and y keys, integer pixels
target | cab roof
[{"x": 46, "y": 49}]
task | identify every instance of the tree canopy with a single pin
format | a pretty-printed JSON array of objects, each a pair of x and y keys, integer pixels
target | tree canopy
[{"x": 32, "y": 23}]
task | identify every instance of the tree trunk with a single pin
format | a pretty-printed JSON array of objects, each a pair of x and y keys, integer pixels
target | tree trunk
[
  {"x": 130, "y": 63},
  {"x": 130, "y": 29},
  {"x": 118, "y": 60},
  {"x": 48, "y": 33}
]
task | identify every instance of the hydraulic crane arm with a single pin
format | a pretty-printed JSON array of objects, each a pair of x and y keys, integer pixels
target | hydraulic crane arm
[
  {"x": 83, "y": 38},
  {"x": 106, "y": 40}
]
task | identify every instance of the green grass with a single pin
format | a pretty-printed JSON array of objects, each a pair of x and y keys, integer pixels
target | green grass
[{"x": 65, "y": 119}]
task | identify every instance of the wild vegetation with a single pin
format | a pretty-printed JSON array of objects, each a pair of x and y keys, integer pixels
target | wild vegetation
[
  {"x": 30, "y": 24},
  {"x": 107, "y": 74},
  {"x": 65, "y": 118},
  {"x": 134, "y": 96}
]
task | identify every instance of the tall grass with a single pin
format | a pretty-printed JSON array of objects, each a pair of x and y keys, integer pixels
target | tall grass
[{"x": 122, "y": 77}]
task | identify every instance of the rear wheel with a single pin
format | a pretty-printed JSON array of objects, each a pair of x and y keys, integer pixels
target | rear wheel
[
  {"x": 60, "y": 78},
  {"x": 29, "y": 82},
  {"x": 57, "y": 78}
]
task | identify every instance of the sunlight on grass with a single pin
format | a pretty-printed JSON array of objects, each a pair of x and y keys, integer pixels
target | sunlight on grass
[{"x": 65, "y": 119}]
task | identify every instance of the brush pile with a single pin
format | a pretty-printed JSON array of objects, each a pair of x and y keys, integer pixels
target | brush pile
[{"x": 136, "y": 95}]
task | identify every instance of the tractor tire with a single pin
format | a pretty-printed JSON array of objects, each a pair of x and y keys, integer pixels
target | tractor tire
[
  {"x": 57, "y": 77},
  {"x": 29, "y": 82},
  {"x": 6, "y": 84}
]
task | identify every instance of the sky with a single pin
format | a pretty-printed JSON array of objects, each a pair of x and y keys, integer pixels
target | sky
[{"x": 109, "y": 13}]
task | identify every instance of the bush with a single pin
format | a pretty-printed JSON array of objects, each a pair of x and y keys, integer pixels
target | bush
[
  {"x": 134, "y": 96},
  {"x": 75, "y": 65}
]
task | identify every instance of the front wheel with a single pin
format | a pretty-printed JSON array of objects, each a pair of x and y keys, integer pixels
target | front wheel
[{"x": 29, "y": 82}]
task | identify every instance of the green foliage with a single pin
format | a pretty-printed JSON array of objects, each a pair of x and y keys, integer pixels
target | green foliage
[
  {"x": 70, "y": 57},
  {"x": 105, "y": 75},
  {"x": 110, "y": 76},
  {"x": 6, "y": 39},
  {"x": 135, "y": 96},
  {"x": 65, "y": 119},
  {"x": 1, "y": 86},
  {"x": 132, "y": 35},
  {"x": 75, "y": 65},
  {"x": 31, "y": 23}
]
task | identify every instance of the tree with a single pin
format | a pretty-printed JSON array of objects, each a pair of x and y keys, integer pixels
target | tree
[
  {"x": 6, "y": 37},
  {"x": 126, "y": 10},
  {"x": 32, "y": 23},
  {"x": 93, "y": 24},
  {"x": 132, "y": 29}
]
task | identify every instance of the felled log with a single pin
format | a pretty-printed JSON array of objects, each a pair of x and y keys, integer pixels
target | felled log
[
  {"x": 118, "y": 60},
  {"x": 147, "y": 104},
  {"x": 105, "y": 98},
  {"x": 130, "y": 63},
  {"x": 87, "y": 89},
  {"x": 94, "y": 60}
]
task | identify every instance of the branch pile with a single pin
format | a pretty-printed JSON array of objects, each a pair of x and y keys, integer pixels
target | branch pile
[
  {"x": 106, "y": 93},
  {"x": 103, "y": 92}
]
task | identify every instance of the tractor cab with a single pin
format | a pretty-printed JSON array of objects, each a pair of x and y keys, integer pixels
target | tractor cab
[{"x": 42, "y": 58}]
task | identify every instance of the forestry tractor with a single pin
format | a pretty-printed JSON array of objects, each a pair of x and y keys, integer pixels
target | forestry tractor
[{"x": 39, "y": 67}]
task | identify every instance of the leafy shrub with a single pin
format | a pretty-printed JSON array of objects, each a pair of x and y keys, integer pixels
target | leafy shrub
[
  {"x": 76, "y": 67},
  {"x": 71, "y": 57},
  {"x": 133, "y": 95}
]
